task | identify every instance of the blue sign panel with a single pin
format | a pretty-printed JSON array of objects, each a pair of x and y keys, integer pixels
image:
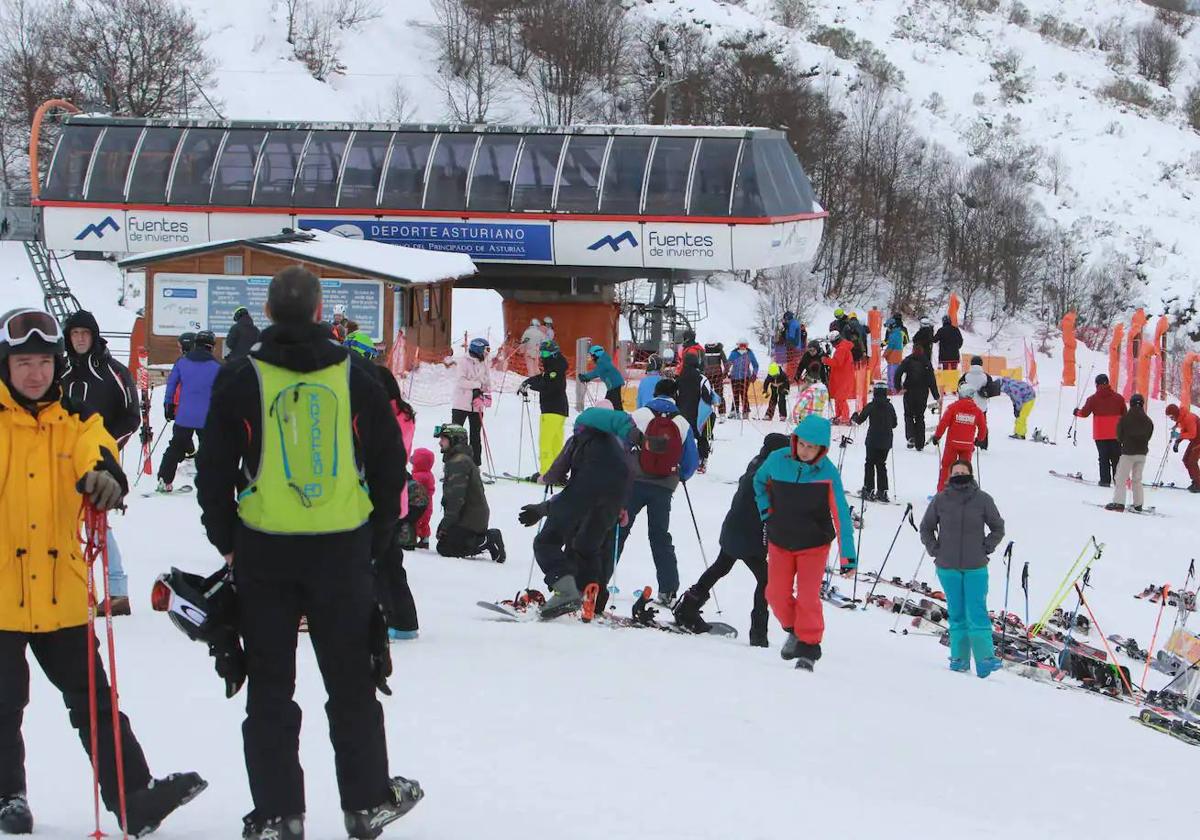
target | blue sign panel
[{"x": 483, "y": 241}]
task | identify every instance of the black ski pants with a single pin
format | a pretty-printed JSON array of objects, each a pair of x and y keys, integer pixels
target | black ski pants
[
  {"x": 777, "y": 399},
  {"x": 395, "y": 596},
  {"x": 578, "y": 544},
  {"x": 1109, "y": 452},
  {"x": 613, "y": 395},
  {"x": 914, "y": 418},
  {"x": 459, "y": 542},
  {"x": 63, "y": 657},
  {"x": 327, "y": 578},
  {"x": 875, "y": 474},
  {"x": 758, "y": 567},
  {"x": 474, "y": 421},
  {"x": 177, "y": 449}
]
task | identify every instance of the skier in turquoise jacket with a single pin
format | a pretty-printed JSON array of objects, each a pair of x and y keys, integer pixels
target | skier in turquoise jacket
[
  {"x": 606, "y": 372},
  {"x": 803, "y": 505}
]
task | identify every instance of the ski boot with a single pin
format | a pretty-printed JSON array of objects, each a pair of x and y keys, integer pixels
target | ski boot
[
  {"x": 163, "y": 487},
  {"x": 494, "y": 545},
  {"x": 960, "y": 665},
  {"x": 403, "y": 796},
  {"x": 1119, "y": 508},
  {"x": 1139, "y": 509},
  {"x": 759, "y": 639},
  {"x": 807, "y": 656},
  {"x": 666, "y": 599},
  {"x": 564, "y": 597},
  {"x": 791, "y": 646},
  {"x": 983, "y": 669},
  {"x": 423, "y": 543},
  {"x": 255, "y": 827},
  {"x": 148, "y": 807},
  {"x": 882, "y": 496},
  {"x": 15, "y": 816},
  {"x": 1194, "y": 488},
  {"x": 867, "y": 495},
  {"x": 687, "y": 612}
]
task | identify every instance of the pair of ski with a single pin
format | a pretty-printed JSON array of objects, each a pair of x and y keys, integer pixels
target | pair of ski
[
  {"x": 1154, "y": 594},
  {"x": 913, "y": 586},
  {"x": 179, "y": 490},
  {"x": 1181, "y": 730}
]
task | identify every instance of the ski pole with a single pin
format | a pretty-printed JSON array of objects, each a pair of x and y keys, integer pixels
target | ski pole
[
  {"x": 900, "y": 614},
  {"x": 532, "y": 556},
  {"x": 1073, "y": 431},
  {"x": 487, "y": 446},
  {"x": 521, "y": 438},
  {"x": 154, "y": 449},
  {"x": 1120, "y": 673},
  {"x": 862, "y": 509},
  {"x": 95, "y": 539},
  {"x": 533, "y": 443},
  {"x": 1007, "y": 577},
  {"x": 703, "y": 553},
  {"x": 1025, "y": 586},
  {"x": 894, "y": 475},
  {"x": 1150, "y": 651},
  {"x": 613, "y": 589},
  {"x": 1064, "y": 588},
  {"x": 879, "y": 575}
]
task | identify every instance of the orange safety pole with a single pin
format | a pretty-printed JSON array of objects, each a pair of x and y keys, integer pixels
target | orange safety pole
[
  {"x": 1160, "y": 360},
  {"x": 1069, "y": 343},
  {"x": 1185, "y": 385},
  {"x": 1132, "y": 348},
  {"x": 953, "y": 309},
  {"x": 1114, "y": 357},
  {"x": 1148, "y": 352},
  {"x": 45, "y": 108},
  {"x": 875, "y": 329}
]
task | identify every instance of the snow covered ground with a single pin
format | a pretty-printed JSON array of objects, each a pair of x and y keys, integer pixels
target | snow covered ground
[{"x": 594, "y": 732}]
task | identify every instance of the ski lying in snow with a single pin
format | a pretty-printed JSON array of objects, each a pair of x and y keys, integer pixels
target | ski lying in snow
[
  {"x": 1077, "y": 477},
  {"x": 831, "y": 595},
  {"x": 516, "y": 608},
  {"x": 645, "y": 614},
  {"x": 181, "y": 490},
  {"x": 500, "y": 609},
  {"x": 1189, "y": 733},
  {"x": 504, "y": 476},
  {"x": 1146, "y": 511},
  {"x": 870, "y": 500},
  {"x": 1129, "y": 647},
  {"x": 1168, "y": 485}
]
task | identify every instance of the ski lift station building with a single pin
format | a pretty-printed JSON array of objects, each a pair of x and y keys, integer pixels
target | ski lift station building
[{"x": 552, "y": 217}]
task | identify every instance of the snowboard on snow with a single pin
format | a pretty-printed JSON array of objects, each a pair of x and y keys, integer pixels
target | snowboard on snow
[
  {"x": 181, "y": 490},
  {"x": 1075, "y": 476},
  {"x": 1146, "y": 511}
]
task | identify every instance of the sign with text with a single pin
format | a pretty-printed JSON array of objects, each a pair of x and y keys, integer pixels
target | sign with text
[
  {"x": 191, "y": 302},
  {"x": 484, "y": 241}
]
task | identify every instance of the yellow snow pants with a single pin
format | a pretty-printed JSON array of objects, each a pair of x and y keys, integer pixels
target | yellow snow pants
[
  {"x": 1022, "y": 423},
  {"x": 550, "y": 439}
]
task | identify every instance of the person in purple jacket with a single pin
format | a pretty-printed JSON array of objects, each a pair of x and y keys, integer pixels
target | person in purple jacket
[{"x": 193, "y": 375}]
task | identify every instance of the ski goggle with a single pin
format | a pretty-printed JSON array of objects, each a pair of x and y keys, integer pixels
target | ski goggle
[{"x": 24, "y": 325}]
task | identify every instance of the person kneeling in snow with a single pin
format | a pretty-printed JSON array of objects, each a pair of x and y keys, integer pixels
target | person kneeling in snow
[
  {"x": 952, "y": 531},
  {"x": 463, "y": 531},
  {"x": 575, "y": 546},
  {"x": 802, "y": 502}
]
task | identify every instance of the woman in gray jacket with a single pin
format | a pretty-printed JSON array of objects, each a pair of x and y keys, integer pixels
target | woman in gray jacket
[{"x": 960, "y": 529}]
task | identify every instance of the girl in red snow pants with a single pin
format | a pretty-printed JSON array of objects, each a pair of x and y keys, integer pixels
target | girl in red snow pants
[{"x": 794, "y": 589}]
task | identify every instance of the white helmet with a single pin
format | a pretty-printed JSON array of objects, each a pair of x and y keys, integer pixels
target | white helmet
[
  {"x": 835, "y": 336},
  {"x": 548, "y": 321},
  {"x": 534, "y": 322},
  {"x": 339, "y": 309},
  {"x": 925, "y": 322},
  {"x": 966, "y": 390}
]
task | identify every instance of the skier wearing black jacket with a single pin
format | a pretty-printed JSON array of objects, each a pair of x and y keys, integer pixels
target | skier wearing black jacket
[
  {"x": 882, "y": 419},
  {"x": 914, "y": 379},
  {"x": 814, "y": 352},
  {"x": 741, "y": 538},
  {"x": 693, "y": 388},
  {"x": 575, "y": 546},
  {"x": 924, "y": 337},
  {"x": 242, "y": 335},
  {"x": 551, "y": 386},
  {"x": 949, "y": 340},
  {"x": 95, "y": 379},
  {"x": 296, "y": 554}
]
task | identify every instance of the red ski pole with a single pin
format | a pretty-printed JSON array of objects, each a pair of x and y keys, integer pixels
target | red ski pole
[
  {"x": 95, "y": 523},
  {"x": 1165, "y": 596}
]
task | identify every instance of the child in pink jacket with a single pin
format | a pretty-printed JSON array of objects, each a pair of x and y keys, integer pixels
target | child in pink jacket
[{"x": 422, "y": 473}]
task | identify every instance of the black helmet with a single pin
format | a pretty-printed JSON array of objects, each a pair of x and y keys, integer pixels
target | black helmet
[
  {"x": 689, "y": 336},
  {"x": 206, "y": 338},
  {"x": 1138, "y": 400},
  {"x": 187, "y": 341},
  {"x": 205, "y": 609}
]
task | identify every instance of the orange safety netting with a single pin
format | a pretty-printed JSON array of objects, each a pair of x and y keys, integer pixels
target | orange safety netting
[
  {"x": 1114, "y": 356},
  {"x": 953, "y": 309},
  {"x": 1158, "y": 368},
  {"x": 1147, "y": 352},
  {"x": 1185, "y": 386},
  {"x": 1069, "y": 343},
  {"x": 1132, "y": 350},
  {"x": 875, "y": 330}
]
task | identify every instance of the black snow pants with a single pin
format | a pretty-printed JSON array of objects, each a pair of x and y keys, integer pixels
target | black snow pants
[
  {"x": 1109, "y": 452},
  {"x": 329, "y": 579},
  {"x": 875, "y": 472},
  {"x": 578, "y": 544},
  {"x": 474, "y": 420},
  {"x": 914, "y": 419},
  {"x": 177, "y": 449},
  {"x": 395, "y": 597},
  {"x": 63, "y": 656}
]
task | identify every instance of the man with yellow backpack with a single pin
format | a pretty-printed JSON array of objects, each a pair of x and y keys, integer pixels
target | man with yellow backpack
[{"x": 299, "y": 482}]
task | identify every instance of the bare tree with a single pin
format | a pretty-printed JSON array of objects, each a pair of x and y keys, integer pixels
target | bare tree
[
  {"x": 1156, "y": 53},
  {"x": 791, "y": 288},
  {"x": 469, "y": 80},
  {"x": 791, "y": 13}
]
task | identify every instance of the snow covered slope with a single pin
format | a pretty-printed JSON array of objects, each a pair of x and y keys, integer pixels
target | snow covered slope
[{"x": 593, "y": 733}]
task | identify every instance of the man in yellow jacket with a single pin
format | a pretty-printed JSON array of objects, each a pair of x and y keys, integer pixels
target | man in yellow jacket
[{"x": 52, "y": 453}]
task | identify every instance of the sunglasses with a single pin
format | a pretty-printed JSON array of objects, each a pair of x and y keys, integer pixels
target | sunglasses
[{"x": 24, "y": 325}]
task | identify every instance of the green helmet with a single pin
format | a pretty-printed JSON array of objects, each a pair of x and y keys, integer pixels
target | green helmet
[
  {"x": 454, "y": 433},
  {"x": 360, "y": 342},
  {"x": 549, "y": 348}
]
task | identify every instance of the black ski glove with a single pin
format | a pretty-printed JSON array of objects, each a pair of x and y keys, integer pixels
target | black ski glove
[
  {"x": 532, "y": 514},
  {"x": 229, "y": 661},
  {"x": 1175, "y": 448},
  {"x": 982, "y": 444},
  {"x": 381, "y": 656},
  {"x": 169, "y": 411}
]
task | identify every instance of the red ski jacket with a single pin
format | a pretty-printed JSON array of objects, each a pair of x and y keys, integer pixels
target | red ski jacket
[
  {"x": 966, "y": 421},
  {"x": 1106, "y": 407}
]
